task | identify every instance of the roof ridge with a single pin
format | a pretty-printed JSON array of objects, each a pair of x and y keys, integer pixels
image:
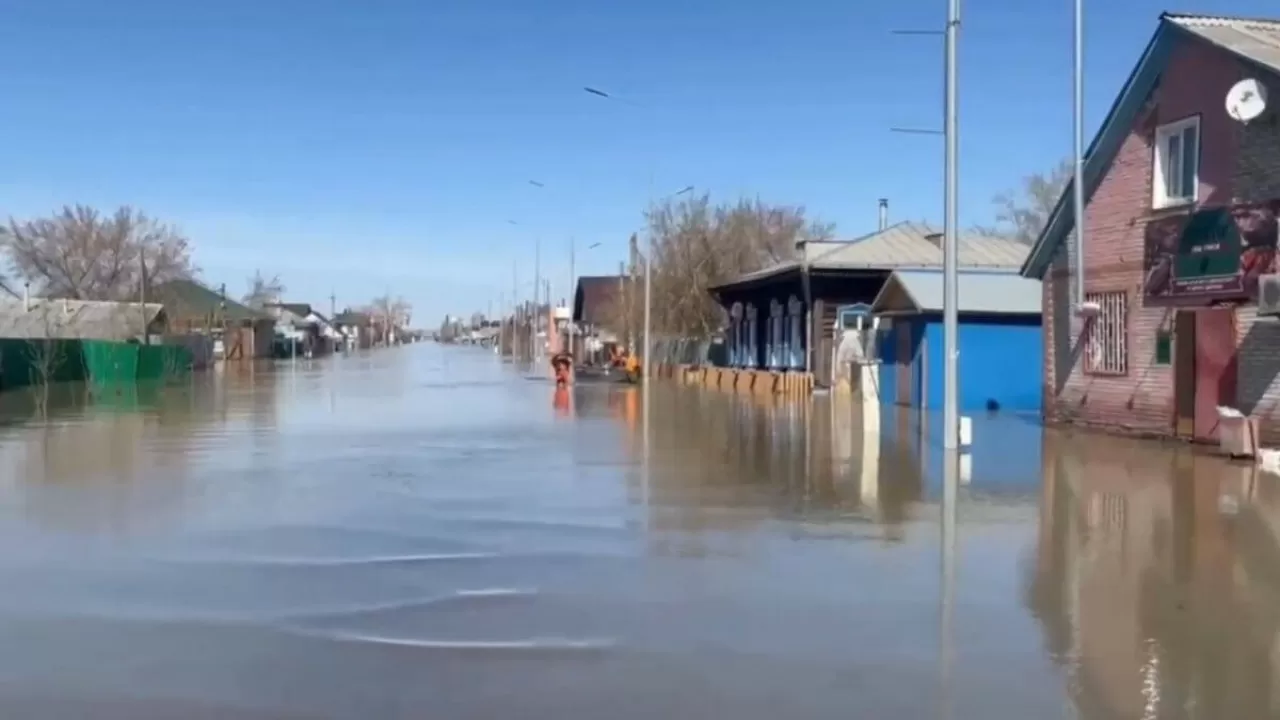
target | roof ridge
[{"x": 1176, "y": 16}]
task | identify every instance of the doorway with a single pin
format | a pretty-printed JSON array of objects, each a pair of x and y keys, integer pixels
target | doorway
[{"x": 1205, "y": 372}]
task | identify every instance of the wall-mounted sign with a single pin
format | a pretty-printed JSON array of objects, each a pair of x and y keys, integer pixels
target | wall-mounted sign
[{"x": 1211, "y": 255}]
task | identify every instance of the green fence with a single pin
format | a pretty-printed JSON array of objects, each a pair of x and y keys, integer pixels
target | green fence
[{"x": 101, "y": 362}]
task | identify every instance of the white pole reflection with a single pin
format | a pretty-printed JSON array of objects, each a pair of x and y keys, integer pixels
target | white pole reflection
[
  {"x": 645, "y": 465},
  {"x": 950, "y": 494}
]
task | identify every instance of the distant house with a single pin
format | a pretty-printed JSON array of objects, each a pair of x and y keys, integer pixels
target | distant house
[
  {"x": 39, "y": 318},
  {"x": 1181, "y": 222},
  {"x": 355, "y": 327},
  {"x": 300, "y": 330},
  {"x": 790, "y": 316},
  {"x": 244, "y": 333},
  {"x": 599, "y": 312},
  {"x": 999, "y": 340}
]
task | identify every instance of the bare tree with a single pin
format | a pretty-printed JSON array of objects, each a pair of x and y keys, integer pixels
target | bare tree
[
  {"x": 698, "y": 246},
  {"x": 46, "y": 353},
  {"x": 388, "y": 314},
  {"x": 1021, "y": 214},
  {"x": 81, "y": 254},
  {"x": 263, "y": 290}
]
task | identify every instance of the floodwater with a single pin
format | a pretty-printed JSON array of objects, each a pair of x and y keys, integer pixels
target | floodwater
[{"x": 425, "y": 532}]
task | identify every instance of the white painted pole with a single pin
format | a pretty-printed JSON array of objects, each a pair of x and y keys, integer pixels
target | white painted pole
[
  {"x": 573, "y": 295},
  {"x": 535, "y": 353},
  {"x": 950, "y": 255},
  {"x": 1077, "y": 185}
]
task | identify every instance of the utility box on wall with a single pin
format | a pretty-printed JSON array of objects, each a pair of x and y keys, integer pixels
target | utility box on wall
[{"x": 1269, "y": 295}]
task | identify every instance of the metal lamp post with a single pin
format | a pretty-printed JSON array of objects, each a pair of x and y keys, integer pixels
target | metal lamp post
[
  {"x": 648, "y": 293},
  {"x": 951, "y": 255},
  {"x": 950, "y": 230},
  {"x": 645, "y": 403}
]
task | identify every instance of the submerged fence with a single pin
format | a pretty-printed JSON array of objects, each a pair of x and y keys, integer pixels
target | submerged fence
[
  {"x": 689, "y": 351},
  {"x": 38, "y": 361}
]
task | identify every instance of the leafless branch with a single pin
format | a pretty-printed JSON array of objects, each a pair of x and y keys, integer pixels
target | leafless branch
[
  {"x": 79, "y": 253},
  {"x": 1023, "y": 213},
  {"x": 698, "y": 246},
  {"x": 263, "y": 290}
]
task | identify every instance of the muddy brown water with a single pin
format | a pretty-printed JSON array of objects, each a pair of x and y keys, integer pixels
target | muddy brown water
[{"x": 424, "y": 532}]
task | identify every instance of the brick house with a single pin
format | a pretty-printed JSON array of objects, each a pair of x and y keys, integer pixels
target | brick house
[{"x": 1181, "y": 220}]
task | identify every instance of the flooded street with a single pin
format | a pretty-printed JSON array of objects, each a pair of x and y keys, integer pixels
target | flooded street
[{"x": 423, "y": 532}]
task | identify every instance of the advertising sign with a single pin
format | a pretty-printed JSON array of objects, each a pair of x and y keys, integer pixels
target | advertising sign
[{"x": 1211, "y": 255}]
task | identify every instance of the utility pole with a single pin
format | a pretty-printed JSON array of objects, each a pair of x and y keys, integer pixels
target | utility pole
[
  {"x": 625, "y": 302},
  {"x": 536, "y": 350},
  {"x": 515, "y": 311},
  {"x": 1077, "y": 142},
  {"x": 573, "y": 295},
  {"x": 333, "y": 304},
  {"x": 142, "y": 292},
  {"x": 950, "y": 255},
  {"x": 502, "y": 322},
  {"x": 631, "y": 295}
]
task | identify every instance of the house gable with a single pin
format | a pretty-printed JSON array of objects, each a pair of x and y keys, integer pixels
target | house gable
[{"x": 1175, "y": 37}]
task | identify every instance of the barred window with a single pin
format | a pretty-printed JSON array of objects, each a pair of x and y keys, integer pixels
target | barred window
[{"x": 1107, "y": 344}]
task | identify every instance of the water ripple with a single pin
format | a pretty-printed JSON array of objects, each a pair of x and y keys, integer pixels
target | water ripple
[{"x": 527, "y": 645}]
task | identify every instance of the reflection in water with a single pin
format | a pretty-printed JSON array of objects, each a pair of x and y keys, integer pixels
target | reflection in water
[
  {"x": 426, "y": 531},
  {"x": 1157, "y": 597},
  {"x": 563, "y": 401}
]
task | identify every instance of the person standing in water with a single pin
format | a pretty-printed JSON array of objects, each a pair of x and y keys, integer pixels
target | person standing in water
[{"x": 562, "y": 366}]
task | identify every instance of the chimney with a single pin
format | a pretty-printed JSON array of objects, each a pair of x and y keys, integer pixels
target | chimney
[
  {"x": 884, "y": 213},
  {"x": 26, "y": 297}
]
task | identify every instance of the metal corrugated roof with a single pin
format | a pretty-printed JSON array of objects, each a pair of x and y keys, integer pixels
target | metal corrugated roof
[
  {"x": 82, "y": 319},
  {"x": 904, "y": 245},
  {"x": 1255, "y": 39},
  {"x": 188, "y": 300},
  {"x": 980, "y": 292},
  {"x": 912, "y": 244}
]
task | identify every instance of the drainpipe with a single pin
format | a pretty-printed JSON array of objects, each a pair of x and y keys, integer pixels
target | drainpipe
[{"x": 884, "y": 213}]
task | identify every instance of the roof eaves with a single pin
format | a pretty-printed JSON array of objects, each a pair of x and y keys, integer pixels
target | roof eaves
[{"x": 758, "y": 275}]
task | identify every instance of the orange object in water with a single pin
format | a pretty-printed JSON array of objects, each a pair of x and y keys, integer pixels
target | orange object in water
[
  {"x": 630, "y": 409},
  {"x": 562, "y": 402}
]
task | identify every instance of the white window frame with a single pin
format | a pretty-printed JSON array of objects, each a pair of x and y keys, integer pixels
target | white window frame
[
  {"x": 1107, "y": 344},
  {"x": 1160, "y": 196}
]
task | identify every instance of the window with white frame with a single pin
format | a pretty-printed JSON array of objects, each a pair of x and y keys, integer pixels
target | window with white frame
[
  {"x": 1176, "y": 164},
  {"x": 1107, "y": 342}
]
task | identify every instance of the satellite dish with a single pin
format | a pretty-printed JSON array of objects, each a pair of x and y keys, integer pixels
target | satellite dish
[{"x": 1246, "y": 100}]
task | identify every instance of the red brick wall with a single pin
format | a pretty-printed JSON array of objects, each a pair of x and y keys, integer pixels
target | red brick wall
[
  {"x": 1256, "y": 178},
  {"x": 1195, "y": 82}
]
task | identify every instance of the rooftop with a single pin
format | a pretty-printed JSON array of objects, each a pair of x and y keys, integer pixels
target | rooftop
[
  {"x": 904, "y": 245},
  {"x": 189, "y": 299},
  {"x": 987, "y": 292},
  {"x": 75, "y": 319},
  {"x": 1254, "y": 39}
]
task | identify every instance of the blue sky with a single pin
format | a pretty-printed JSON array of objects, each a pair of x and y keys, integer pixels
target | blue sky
[{"x": 383, "y": 145}]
